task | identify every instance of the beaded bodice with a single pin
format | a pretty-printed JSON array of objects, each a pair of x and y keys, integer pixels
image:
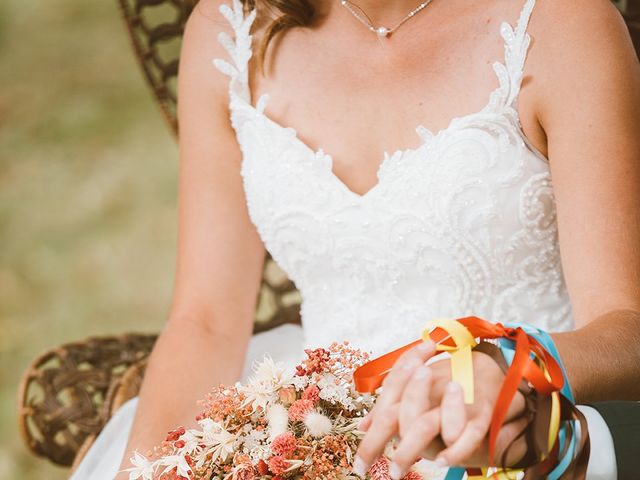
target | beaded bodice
[{"x": 463, "y": 224}]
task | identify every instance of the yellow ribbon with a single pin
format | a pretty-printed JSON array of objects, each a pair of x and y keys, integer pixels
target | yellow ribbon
[
  {"x": 554, "y": 422},
  {"x": 461, "y": 360},
  {"x": 555, "y": 419}
]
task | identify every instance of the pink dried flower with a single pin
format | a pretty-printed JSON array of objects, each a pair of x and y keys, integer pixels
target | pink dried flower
[
  {"x": 172, "y": 475},
  {"x": 312, "y": 392},
  {"x": 244, "y": 473},
  {"x": 412, "y": 475},
  {"x": 278, "y": 464},
  {"x": 320, "y": 452},
  {"x": 262, "y": 467},
  {"x": 240, "y": 458},
  {"x": 175, "y": 434},
  {"x": 316, "y": 361},
  {"x": 380, "y": 469},
  {"x": 284, "y": 444},
  {"x": 299, "y": 409}
]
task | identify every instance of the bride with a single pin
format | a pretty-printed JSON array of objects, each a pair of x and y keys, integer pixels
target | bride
[{"x": 396, "y": 159}]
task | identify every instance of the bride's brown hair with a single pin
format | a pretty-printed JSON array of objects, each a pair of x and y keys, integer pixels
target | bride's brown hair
[{"x": 279, "y": 15}]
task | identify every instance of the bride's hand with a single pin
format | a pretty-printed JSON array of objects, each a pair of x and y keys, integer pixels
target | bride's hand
[{"x": 420, "y": 405}]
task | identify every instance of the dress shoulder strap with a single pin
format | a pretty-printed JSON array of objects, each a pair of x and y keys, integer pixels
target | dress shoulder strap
[
  {"x": 516, "y": 44},
  {"x": 239, "y": 48}
]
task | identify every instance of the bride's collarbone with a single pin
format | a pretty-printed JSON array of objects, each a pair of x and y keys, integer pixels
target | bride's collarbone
[{"x": 356, "y": 108}]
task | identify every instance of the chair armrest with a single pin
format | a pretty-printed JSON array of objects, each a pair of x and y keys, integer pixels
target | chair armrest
[{"x": 66, "y": 394}]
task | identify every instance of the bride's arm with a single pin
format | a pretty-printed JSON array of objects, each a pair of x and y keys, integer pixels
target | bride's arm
[
  {"x": 586, "y": 93},
  {"x": 220, "y": 255},
  {"x": 591, "y": 114},
  {"x": 587, "y": 89}
]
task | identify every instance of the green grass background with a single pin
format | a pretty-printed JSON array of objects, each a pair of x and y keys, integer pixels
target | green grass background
[{"x": 87, "y": 194}]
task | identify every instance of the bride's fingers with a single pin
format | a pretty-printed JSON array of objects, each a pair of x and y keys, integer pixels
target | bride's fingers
[
  {"x": 424, "y": 429},
  {"x": 415, "y": 398},
  {"x": 383, "y": 427},
  {"x": 384, "y": 422},
  {"x": 394, "y": 383},
  {"x": 509, "y": 439},
  {"x": 365, "y": 422},
  {"x": 469, "y": 441},
  {"x": 453, "y": 418}
]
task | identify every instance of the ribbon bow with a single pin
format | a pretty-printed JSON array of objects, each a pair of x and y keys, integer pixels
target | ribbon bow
[{"x": 531, "y": 362}]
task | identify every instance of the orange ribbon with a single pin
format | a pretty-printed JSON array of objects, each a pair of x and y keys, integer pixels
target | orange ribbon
[
  {"x": 530, "y": 362},
  {"x": 368, "y": 377}
]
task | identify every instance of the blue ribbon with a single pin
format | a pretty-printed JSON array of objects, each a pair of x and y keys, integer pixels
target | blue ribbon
[
  {"x": 455, "y": 473},
  {"x": 547, "y": 342},
  {"x": 507, "y": 347}
]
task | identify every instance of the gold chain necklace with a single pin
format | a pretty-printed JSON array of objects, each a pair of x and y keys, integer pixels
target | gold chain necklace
[{"x": 381, "y": 31}]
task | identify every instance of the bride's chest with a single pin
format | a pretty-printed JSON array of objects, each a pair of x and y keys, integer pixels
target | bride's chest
[
  {"x": 359, "y": 101},
  {"x": 473, "y": 187}
]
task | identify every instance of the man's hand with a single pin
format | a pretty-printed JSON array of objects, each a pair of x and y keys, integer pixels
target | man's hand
[{"x": 422, "y": 407}]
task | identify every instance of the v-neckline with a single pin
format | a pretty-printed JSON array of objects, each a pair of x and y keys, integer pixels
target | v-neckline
[
  {"x": 516, "y": 43},
  {"x": 427, "y": 136}
]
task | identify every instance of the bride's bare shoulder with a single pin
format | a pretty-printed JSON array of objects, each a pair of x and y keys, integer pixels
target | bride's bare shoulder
[
  {"x": 580, "y": 49},
  {"x": 584, "y": 27},
  {"x": 200, "y": 46}
]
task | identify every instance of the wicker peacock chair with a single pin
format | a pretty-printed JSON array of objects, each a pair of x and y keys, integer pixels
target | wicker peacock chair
[{"x": 69, "y": 392}]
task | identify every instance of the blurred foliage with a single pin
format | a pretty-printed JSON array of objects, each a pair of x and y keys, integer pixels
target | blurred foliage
[{"x": 87, "y": 194}]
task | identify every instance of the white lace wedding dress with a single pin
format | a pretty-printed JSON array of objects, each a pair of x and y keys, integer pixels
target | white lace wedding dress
[{"x": 464, "y": 224}]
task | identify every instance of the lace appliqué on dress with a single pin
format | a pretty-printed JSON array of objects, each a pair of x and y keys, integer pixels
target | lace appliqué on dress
[{"x": 463, "y": 224}]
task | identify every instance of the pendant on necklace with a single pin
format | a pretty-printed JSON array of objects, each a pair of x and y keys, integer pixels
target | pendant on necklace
[{"x": 382, "y": 31}]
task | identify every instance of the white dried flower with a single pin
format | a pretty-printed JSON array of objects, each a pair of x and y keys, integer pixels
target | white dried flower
[
  {"x": 178, "y": 462},
  {"x": 278, "y": 420},
  {"x": 335, "y": 391},
  {"x": 216, "y": 439},
  {"x": 262, "y": 388},
  {"x": 262, "y": 452},
  {"x": 253, "y": 438},
  {"x": 258, "y": 394},
  {"x": 191, "y": 439},
  {"x": 142, "y": 468},
  {"x": 300, "y": 382},
  {"x": 317, "y": 424},
  {"x": 272, "y": 372}
]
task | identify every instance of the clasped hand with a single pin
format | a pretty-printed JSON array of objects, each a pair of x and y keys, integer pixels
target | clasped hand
[{"x": 424, "y": 412}]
